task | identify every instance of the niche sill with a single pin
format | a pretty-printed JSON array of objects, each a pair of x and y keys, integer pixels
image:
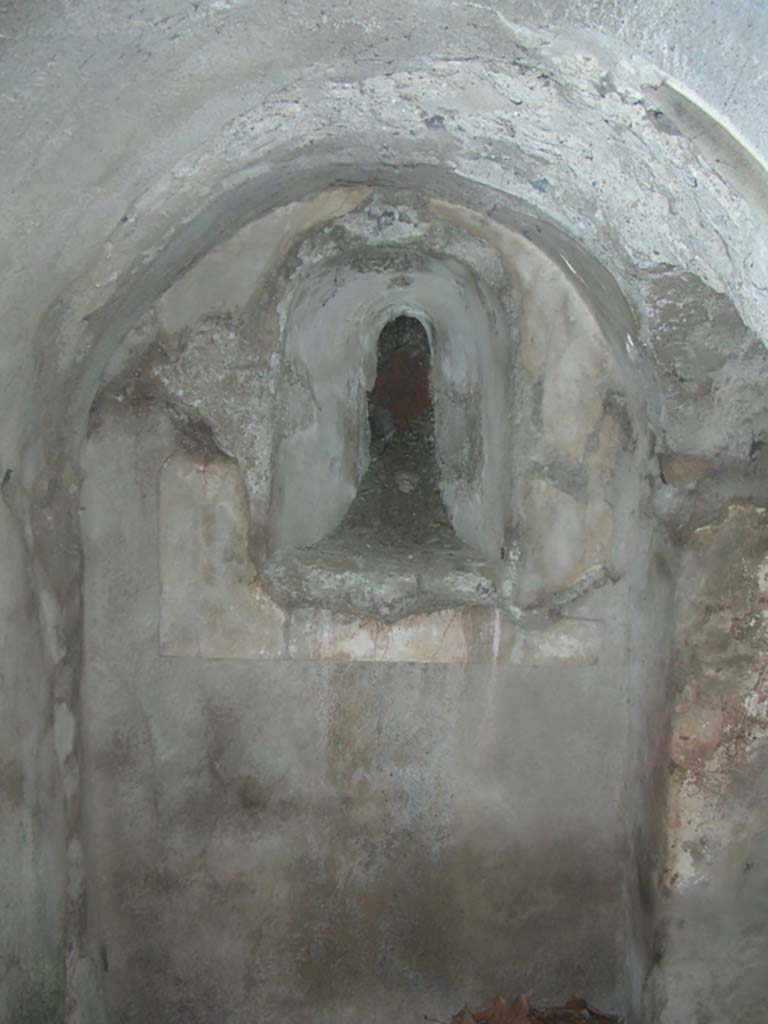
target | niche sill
[{"x": 382, "y": 582}]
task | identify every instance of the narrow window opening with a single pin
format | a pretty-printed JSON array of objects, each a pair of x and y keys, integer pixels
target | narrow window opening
[{"x": 398, "y": 503}]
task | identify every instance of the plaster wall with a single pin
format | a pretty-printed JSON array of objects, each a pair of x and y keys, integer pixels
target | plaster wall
[
  {"x": 140, "y": 137},
  {"x": 330, "y": 839},
  {"x": 713, "y": 904},
  {"x": 251, "y": 762},
  {"x": 32, "y": 830}
]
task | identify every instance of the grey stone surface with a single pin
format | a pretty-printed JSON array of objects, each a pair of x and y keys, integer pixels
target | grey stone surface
[
  {"x": 156, "y": 470},
  {"x": 329, "y": 839},
  {"x": 714, "y": 907},
  {"x": 32, "y": 873},
  {"x": 617, "y": 147}
]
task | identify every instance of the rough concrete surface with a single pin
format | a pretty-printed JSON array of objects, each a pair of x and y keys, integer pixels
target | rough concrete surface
[
  {"x": 328, "y": 835},
  {"x": 715, "y": 910},
  {"x": 254, "y": 764}
]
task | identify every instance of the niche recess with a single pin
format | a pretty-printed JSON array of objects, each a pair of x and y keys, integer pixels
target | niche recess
[
  {"x": 314, "y": 531},
  {"x": 398, "y": 505},
  {"x": 389, "y": 478}
]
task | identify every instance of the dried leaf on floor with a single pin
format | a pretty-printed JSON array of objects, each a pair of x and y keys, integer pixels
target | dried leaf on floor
[
  {"x": 575, "y": 1011},
  {"x": 499, "y": 1012}
]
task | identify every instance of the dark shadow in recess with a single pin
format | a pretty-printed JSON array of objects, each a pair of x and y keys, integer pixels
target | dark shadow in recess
[
  {"x": 398, "y": 503},
  {"x": 395, "y": 552}
]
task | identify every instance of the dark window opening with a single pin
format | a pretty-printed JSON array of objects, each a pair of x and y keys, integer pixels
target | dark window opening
[
  {"x": 401, "y": 393},
  {"x": 398, "y": 503}
]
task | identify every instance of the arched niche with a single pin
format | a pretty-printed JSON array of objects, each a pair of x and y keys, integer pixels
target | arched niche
[{"x": 332, "y": 322}]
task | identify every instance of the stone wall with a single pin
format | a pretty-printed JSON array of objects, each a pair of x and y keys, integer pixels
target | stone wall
[
  {"x": 713, "y": 958},
  {"x": 332, "y": 838},
  {"x": 358, "y": 812},
  {"x": 32, "y": 829},
  {"x": 628, "y": 148}
]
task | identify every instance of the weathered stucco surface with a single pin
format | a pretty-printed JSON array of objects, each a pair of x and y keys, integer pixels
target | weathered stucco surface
[
  {"x": 715, "y": 908},
  {"x": 32, "y": 875},
  {"x": 394, "y": 904},
  {"x": 315, "y": 838},
  {"x": 187, "y": 835}
]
